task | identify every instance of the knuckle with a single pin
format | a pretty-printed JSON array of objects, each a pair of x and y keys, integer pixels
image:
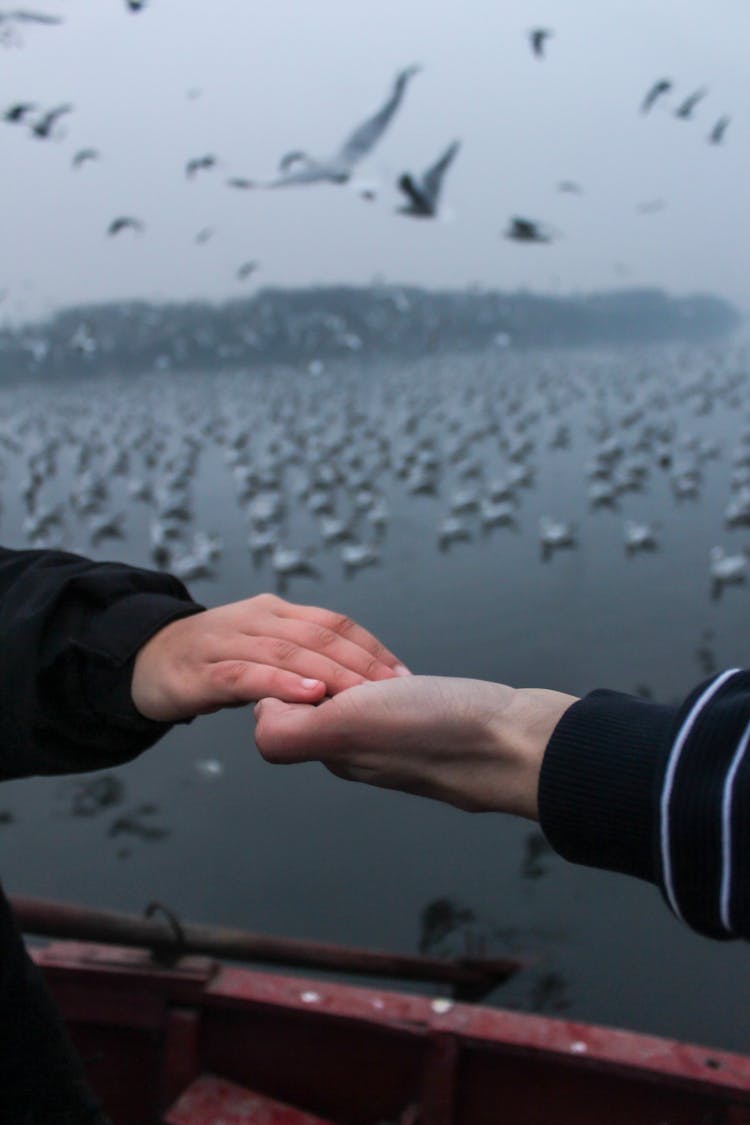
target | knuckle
[
  {"x": 284, "y": 652},
  {"x": 226, "y": 675},
  {"x": 373, "y": 669},
  {"x": 344, "y": 625}
]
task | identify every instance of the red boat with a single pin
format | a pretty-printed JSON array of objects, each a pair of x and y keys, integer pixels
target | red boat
[{"x": 204, "y": 1042}]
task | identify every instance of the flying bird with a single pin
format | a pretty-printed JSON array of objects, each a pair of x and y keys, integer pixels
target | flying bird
[
  {"x": 83, "y": 155},
  {"x": 22, "y": 16},
  {"x": 16, "y": 113},
  {"x": 135, "y": 5},
  {"x": 204, "y": 235},
  {"x": 44, "y": 126},
  {"x": 650, "y": 206},
  {"x": 570, "y": 187},
  {"x": 299, "y": 168},
  {"x": 246, "y": 269},
  {"x": 424, "y": 193},
  {"x": 657, "y": 91},
  {"x": 241, "y": 183},
  {"x": 198, "y": 164},
  {"x": 526, "y": 230},
  {"x": 685, "y": 111},
  {"x": 124, "y": 222},
  {"x": 538, "y": 37},
  {"x": 716, "y": 136}
]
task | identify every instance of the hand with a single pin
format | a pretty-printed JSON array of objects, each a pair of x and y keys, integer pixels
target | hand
[
  {"x": 263, "y": 646},
  {"x": 470, "y": 743}
]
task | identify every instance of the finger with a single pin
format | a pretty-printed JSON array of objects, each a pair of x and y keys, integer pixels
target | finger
[
  {"x": 286, "y": 733},
  {"x": 228, "y": 683},
  {"x": 286, "y": 654},
  {"x": 320, "y": 640},
  {"x": 342, "y": 625}
]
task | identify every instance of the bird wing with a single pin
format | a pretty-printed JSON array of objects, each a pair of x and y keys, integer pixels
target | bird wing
[
  {"x": 433, "y": 177},
  {"x": 408, "y": 187},
  {"x": 22, "y": 16},
  {"x": 656, "y": 90},
  {"x": 366, "y": 135}
]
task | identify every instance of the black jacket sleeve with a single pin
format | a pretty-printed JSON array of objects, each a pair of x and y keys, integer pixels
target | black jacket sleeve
[
  {"x": 70, "y": 630},
  {"x": 659, "y": 792}
]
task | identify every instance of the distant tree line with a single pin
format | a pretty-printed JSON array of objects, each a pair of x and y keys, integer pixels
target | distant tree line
[{"x": 318, "y": 324}]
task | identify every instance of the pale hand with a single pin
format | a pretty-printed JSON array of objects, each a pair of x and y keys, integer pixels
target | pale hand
[
  {"x": 471, "y": 743},
  {"x": 262, "y": 646}
]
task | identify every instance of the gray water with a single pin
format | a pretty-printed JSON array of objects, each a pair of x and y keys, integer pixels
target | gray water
[{"x": 203, "y": 824}]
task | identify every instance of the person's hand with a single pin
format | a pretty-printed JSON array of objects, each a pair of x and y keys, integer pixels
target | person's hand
[
  {"x": 263, "y": 646},
  {"x": 470, "y": 743}
]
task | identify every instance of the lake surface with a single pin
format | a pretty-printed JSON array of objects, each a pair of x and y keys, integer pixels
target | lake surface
[{"x": 203, "y": 824}]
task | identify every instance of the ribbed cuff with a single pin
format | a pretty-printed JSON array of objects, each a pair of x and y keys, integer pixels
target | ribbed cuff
[
  {"x": 597, "y": 788},
  {"x": 111, "y": 646}
]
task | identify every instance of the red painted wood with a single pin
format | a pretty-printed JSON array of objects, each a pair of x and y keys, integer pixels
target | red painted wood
[{"x": 209, "y": 1100}]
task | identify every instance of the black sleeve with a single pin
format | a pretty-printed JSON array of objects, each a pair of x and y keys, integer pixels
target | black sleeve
[
  {"x": 659, "y": 792},
  {"x": 70, "y": 630}
]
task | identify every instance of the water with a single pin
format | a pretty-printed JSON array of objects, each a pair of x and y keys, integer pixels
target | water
[{"x": 203, "y": 824}]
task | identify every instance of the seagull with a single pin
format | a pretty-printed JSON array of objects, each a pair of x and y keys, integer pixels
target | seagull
[
  {"x": 299, "y": 168},
  {"x": 716, "y": 136},
  {"x": 526, "y": 230},
  {"x": 241, "y": 183},
  {"x": 569, "y": 186},
  {"x": 16, "y": 113},
  {"x": 246, "y": 269},
  {"x": 423, "y": 194},
  {"x": 727, "y": 568},
  {"x": 83, "y": 155},
  {"x": 44, "y": 126},
  {"x": 650, "y": 206},
  {"x": 204, "y": 235},
  {"x": 123, "y": 223},
  {"x": 639, "y": 536},
  {"x": 538, "y": 36},
  {"x": 135, "y": 5},
  {"x": 657, "y": 91},
  {"x": 555, "y": 533},
  {"x": 685, "y": 110},
  {"x": 22, "y": 16},
  {"x": 198, "y": 164}
]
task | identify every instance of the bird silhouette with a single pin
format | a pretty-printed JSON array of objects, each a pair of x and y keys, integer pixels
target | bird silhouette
[
  {"x": 570, "y": 187},
  {"x": 198, "y": 164},
  {"x": 423, "y": 194},
  {"x": 657, "y": 91},
  {"x": 716, "y": 136},
  {"x": 685, "y": 110},
  {"x": 246, "y": 269},
  {"x": 203, "y": 235},
  {"x": 241, "y": 183},
  {"x": 124, "y": 222},
  {"x": 135, "y": 5},
  {"x": 298, "y": 168},
  {"x": 83, "y": 155},
  {"x": 526, "y": 230},
  {"x": 16, "y": 113},
  {"x": 46, "y": 123},
  {"x": 538, "y": 37}
]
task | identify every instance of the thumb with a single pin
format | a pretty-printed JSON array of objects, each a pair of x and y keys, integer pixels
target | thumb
[{"x": 287, "y": 732}]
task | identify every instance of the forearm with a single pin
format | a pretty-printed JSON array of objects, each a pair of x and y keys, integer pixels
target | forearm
[{"x": 69, "y": 632}]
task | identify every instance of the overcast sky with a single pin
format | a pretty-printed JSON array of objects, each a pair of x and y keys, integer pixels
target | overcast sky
[{"x": 248, "y": 80}]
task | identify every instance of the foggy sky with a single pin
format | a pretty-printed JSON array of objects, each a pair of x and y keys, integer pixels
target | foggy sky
[{"x": 248, "y": 81}]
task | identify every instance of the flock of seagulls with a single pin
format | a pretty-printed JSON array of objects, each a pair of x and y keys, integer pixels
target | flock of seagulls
[
  {"x": 420, "y": 193},
  {"x": 325, "y": 465}
]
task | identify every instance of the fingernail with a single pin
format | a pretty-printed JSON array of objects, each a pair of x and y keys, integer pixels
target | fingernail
[
  {"x": 309, "y": 684},
  {"x": 402, "y": 670}
]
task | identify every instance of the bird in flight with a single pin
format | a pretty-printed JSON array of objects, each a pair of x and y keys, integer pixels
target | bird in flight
[
  {"x": 46, "y": 123},
  {"x": 16, "y": 113},
  {"x": 657, "y": 91},
  {"x": 570, "y": 187},
  {"x": 203, "y": 235},
  {"x": 716, "y": 136},
  {"x": 538, "y": 36},
  {"x": 650, "y": 206},
  {"x": 241, "y": 183},
  {"x": 135, "y": 5},
  {"x": 124, "y": 222},
  {"x": 424, "y": 193},
  {"x": 83, "y": 155},
  {"x": 685, "y": 111},
  {"x": 198, "y": 164},
  {"x": 246, "y": 269},
  {"x": 299, "y": 168},
  {"x": 526, "y": 230}
]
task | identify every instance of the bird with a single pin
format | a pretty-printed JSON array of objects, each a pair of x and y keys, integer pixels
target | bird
[
  {"x": 298, "y": 168},
  {"x": 685, "y": 109},
  {"x": 23, "y": 16},
  {"x": 650, "y": 206},
  {"x": 538, "y": 37},
  {"x": 124, "y": 222},
  {"x": 570, "y": 187},
  {"x": 135, "y": 5},
  {"x": 716, "y": 136},
  {"x": 424, "y": 193},
  {"x": 246, "y": 269},
  {"x": 657, "y": 91},
  {"x": 727, "y": 568},
  {"x": 639, "y": 536},
  {"x": 555, "y": 533},
  {"x": 203, "y": 235},
  {"x": 241, "y": 183},
  {"x": 198, "y": 164},
  {"x": 83, "y": 155},
  {"x": 44, "y": 126},
  {"x": 16, "y": 113},
  {"x": 526, "y": 230}
]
